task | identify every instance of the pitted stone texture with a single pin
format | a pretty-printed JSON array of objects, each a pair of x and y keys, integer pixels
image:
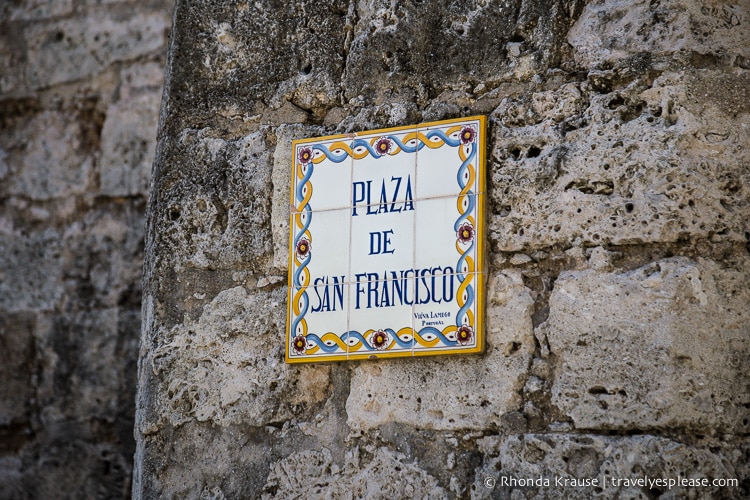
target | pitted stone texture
[
  {"x": 661, "y": 347},
  {"x": 227, "y": 366},
  {"x": 460, "y": 392},
  {"x": 214, "y": 210},
  {"x": 128, "y": 143},
  {"x": 571, "y": 456},
  {"x": 36, "y": 9},
  {"x": 231, "y": 65},
  {"x": 645, "y": 163},
  {"x": 17, "y": 369},
  {"x": 314, "y": 475},
  {"x": 79, "y": 48},
  {"x": 48, "y": 157},
  {"x": 423, "y": 48},
  {"x": 617, "y": 29}
]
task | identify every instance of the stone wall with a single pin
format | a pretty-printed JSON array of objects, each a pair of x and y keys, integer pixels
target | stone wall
[
  {"x": 80, "y": 88},
  {"x": 619, "y": 247}
]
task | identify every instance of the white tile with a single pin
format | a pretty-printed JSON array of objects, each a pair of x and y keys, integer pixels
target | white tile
[
  {"x": 319, "y": 319},
  {"x": 384, "y": 181},
  {"x": 448, "y": 164},
  {"x": 382, "y": 242},
  {"x": 446, "y": 234},
  {"x": 321, "y": 242},
  {"x": 380, "y": 306},
  {"x": 327, "y": 173},
  {"x": 451, "y": 310}
]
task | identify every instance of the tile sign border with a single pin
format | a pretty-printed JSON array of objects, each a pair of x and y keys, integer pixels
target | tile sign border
[{"x": 386, "y": 255}]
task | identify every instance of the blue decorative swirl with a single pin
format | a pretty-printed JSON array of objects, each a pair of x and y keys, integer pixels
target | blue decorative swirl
[
  {"x": 467, "y": 305},
  {"x": 462, "y": 260},
  {"x": 299, "y": 270},
  {"x": 303, "y": 311},
  {"x": 419, "y": 144},
  {"x": 405, "y": 147},
  {"x": 467, "y": 213},
  {"x": 330, "y": 154},
  {"x": 311, "y": 337},
  {"x": 448, "y": 140},
  {"x": 431, "y": 329},
  {"x": 363, "y": 143},
  {"x": 398, "y": 340},
  {"x": 465, "y": 165},
  {"x": 303, "y": 181},
  {"x": 308, "y": 220},
  {"x": 346, "y": 335}
]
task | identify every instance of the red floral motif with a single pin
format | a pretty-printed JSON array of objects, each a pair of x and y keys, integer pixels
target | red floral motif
[
  {"x": 464, "y": 334},
  {"x": 305, "y": 155},
  {"x": 299, "y": 344},
  {"x": 465, "y": 232},
  {"x": 468, "y": 134},
  {"x": 383, "y": 146},
  {"x": 303, "y": 247},
  {"x": 379, "y": 340}
]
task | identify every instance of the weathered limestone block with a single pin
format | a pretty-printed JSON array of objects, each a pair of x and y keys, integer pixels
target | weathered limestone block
[
  {"x": 215, "y": 211},
  {"x": 427, "y": 48},
  {"x": 64, "y": 371},
  {"x": 649, "y": 163},
  {"x": 616, "y": 29},
  {"x": 313, "y": 474},
  {"x": 11, "y": 477},
  {"x": 71, "y": 256},
  {"x": 17, "y": 369},
  {"x": 48, "y": 157},
  {"x": 11, "y": 61},
  {"x": 581, "y": 456},
  {"x": 102, "y": 258},
  {"x": 36, "y": 9},
  {"x": 458, "y": 392},
  {"x": 80, "y": 375},
  {"x": 139, "y": 77},
  {"x": 77, "y": 48},
  {"x": 232, "y": 65},
  {"x": 26, "y": 284},
  {"x": 664, "y": 346},
  {"x": 599, "y": 147},
  {"x": 128, "y": 144},
  {"x": 226, "y": 366},
  {"x": 100, "y": 470}
]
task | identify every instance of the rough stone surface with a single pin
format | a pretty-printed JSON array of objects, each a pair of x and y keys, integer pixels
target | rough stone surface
[
  {"x": 80, "y": 85},
  {"x": 385, "y": 475},
  {"x": 224, "y": 367},
  {"x": 453, "y": 393},
  {"x": 642, "y": 164},
  {"x": 590, "y": 456},
  {"x": 618, "y": 257},
  {"x": 687, "y": 369},
  {"x": 128, "y": 146}
]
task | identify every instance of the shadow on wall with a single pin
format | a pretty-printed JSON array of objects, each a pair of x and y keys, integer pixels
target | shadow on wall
[{"x": 80, "y": 90}]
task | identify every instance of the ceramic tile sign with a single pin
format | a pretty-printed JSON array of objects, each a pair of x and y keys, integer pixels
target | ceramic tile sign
[{"x": 386, "y": 243}]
